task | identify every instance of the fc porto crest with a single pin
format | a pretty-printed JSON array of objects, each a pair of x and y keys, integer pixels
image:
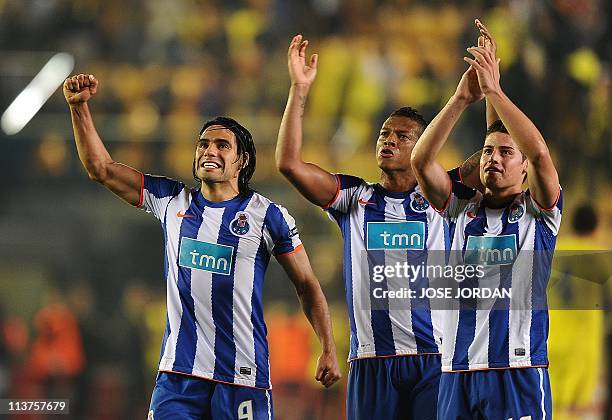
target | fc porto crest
[
  {"x": 472, "y": 210},
  {"x": 515, "y": 213},
  {"x": 418, "y": 203},
  {"x": 240, "y": 225}
]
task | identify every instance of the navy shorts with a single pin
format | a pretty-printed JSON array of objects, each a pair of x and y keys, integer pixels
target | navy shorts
[
  {"x": 495, "y": 394},
  {"x": 398, "y": 387},
  {"x": 177, "y": 396}
]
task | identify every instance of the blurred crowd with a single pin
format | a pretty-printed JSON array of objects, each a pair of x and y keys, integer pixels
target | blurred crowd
[{"x": 81, "y": 293}]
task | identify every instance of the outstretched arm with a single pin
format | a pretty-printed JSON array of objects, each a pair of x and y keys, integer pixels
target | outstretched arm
[
  {"x": 431, "y": 176},
  {"x": 541, "y": 175},
  {"x": 315, "y": 308},
  {"x": 313, "y": 182},
  {"x": 120, "y": 179}
]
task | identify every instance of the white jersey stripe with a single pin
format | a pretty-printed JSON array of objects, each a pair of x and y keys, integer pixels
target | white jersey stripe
[
  {"x": 361, "y": 300},
  {"x": 520, "y": 315},
  {"x": 401, "y": 318},
  {"x": 243, "y": 293},
  {"x": 201, "y": 290}
]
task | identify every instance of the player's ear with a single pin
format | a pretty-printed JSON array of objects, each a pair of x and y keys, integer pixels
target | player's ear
[{"x": 245, "y": 160}]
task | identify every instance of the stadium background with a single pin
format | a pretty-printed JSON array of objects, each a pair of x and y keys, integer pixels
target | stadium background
[{"x": 82, "y": 298}]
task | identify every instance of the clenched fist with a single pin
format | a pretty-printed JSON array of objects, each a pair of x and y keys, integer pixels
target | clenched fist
[{"x": 80, "y": 88}]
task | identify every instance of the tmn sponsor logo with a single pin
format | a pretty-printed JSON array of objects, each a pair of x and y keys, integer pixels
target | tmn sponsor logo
[
  {"x": 396, "y": 235},
  {"x": 490, "y": 250},
  {"x": 206, "y": 256}
]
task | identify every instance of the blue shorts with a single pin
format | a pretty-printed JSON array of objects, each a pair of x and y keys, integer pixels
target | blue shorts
[
  {"x": 398, "y": 387},
  {"x": 495, "y": 394},
  {"x": 178, "y": 396}
]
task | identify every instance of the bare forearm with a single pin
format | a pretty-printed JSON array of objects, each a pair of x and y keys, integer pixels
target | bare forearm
[
  {"x": 470, "y": 171},
  {"x": 491, "y": 113},
  {"x": 314, "y": 183},
  {"x": 91, "y": 150},
  {"x": 519, "y": 126},
  {"x": 436, "y": 134},
  {"x": 431, "y": 176},
  {"x": 316, "y": 310},
  {"x": 289, "y": 146}
]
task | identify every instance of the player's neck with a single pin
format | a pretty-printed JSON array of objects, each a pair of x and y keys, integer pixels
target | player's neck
[
  {"x": 219, "y": 191},
  {"x": 397, "y": 181},
  {"x": 498, "y": 199}
]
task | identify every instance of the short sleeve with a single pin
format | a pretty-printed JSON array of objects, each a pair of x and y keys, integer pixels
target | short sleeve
[
  {"x": 550, "y": 216},
  {"x": 455, "y": 174},
  {"x": 347, "y": 186},
  {"x": 280, "y": 231},
  {"x": 156, "y": 192},
  {"x": 459, "y": 197}
]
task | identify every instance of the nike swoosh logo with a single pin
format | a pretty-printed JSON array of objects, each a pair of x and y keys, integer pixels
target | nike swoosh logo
[
  {"x": 362, "y": 201},
  {"x": 179, "y": 214}
]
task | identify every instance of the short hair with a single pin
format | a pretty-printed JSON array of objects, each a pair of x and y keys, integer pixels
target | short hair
[
  {"x": 245, "y": 144},
  {"x": 412, "y": 114},
  {"x": 585, "y": 219},
  {"x": 498, "y": 126}
]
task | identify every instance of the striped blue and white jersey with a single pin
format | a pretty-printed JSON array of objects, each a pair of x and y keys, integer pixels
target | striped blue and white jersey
[
  {"x": 508, "y": 328},
  {"x": 383, "y": 228},
  {"x": 216, "y": 255}
]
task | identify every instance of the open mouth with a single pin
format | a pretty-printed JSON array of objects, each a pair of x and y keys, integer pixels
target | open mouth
[
  {"x": 386, "y": 153},
  {"x": 210, "y": 165},
  {"x": 494, "y": 170}
]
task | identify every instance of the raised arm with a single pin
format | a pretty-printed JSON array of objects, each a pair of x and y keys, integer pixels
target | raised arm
[
  {"x": 120, "y": 179},
  {"x": 431, "y": 176},
  {"x": 314, "y": 183},
  {"x": 470, "y": 169},
  {"x": 315, "y": 308},
  {"x": 487, "y": 41},
  {"x": 541, "y": 175}
]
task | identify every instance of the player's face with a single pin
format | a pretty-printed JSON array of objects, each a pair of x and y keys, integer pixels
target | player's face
[
  {"x": 216, "y": 155},
  {"x": 501, "y": 164},
  {"x": 396, "y": 140}
]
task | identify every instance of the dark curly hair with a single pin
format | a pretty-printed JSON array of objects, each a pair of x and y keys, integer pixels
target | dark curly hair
[
  {"x": 413, "y": 114},
  {"x": 245, "y": 144}
]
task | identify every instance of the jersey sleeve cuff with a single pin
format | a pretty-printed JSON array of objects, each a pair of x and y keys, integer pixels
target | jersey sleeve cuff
[
  {"x": 541, "y": 207},
  {"x": 141, "y": 196},
  {"x": 450, "y": 192},
  {"x": 293, "y": 251},
  {"x": 336, "y": 195}
]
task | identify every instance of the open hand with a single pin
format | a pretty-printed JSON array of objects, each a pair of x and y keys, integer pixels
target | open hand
[
  {"x": 485, "y": 39},
  {"x": 468, "y": 89},
  {"x": 80, "y": 88},
  {"x": 487, "y": 69},
  {"x": 299, "y": 71}
]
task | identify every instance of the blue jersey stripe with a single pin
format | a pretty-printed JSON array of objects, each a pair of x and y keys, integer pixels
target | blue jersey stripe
[
  {"x": 499, "y": 317},
  {"x": 420, "y": 308},
  {"x": 347, "y": 268},
  {"x": 279, "y": 230},
  {"x": 262, "y": 377},
  {"x": 223, "y": 301},
  {"x": 344, "y": 223},
  {"x": 381, "y": 322},
  {"x": 542, "y": 260},
  {"x": 161, "y": 187},
  {"x": 466, "y": 330},
  {"x": 167, "y": 331},
  {"x": 186, "y": 345}
]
